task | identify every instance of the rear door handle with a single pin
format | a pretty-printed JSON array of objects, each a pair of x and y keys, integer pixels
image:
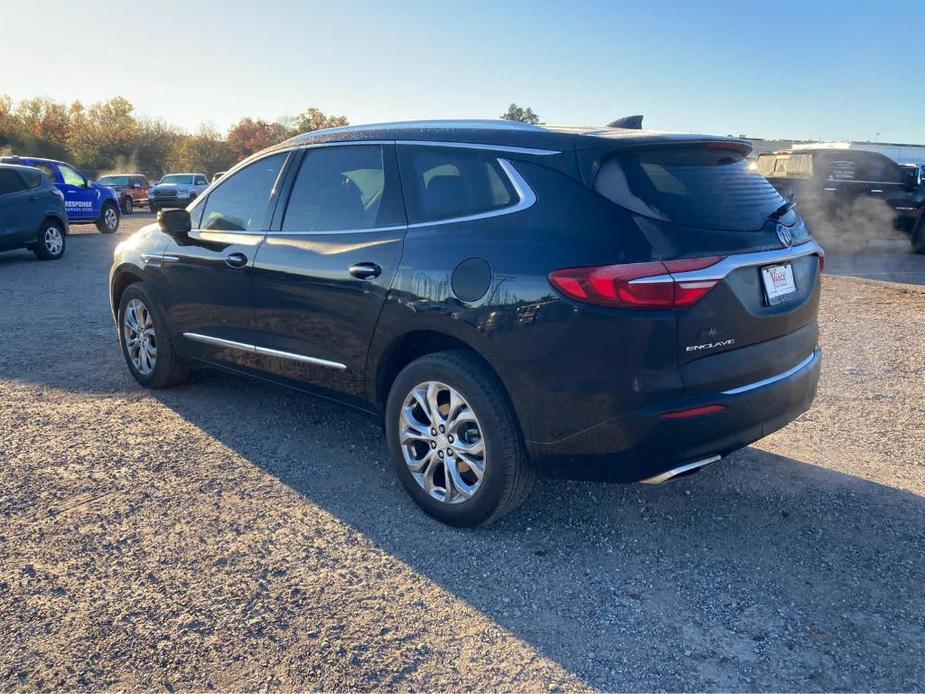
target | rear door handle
[
  {"x": 365, "y": 271},
  {"x": 236, "y": 260}
]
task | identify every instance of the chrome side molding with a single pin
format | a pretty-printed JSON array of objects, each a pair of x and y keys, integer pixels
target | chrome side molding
[
  {"x": 680, "y": 470},
  {"x": 805, "y": 363},
  {"x": 257, "y": 349}
]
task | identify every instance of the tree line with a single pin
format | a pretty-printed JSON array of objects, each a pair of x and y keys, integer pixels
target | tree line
[{"x": 110, "y": 137}]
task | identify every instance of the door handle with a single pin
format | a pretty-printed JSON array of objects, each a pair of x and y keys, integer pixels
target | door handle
[
  {"x": 236, "y": 260},
  {"x": 365, "y": 271}
]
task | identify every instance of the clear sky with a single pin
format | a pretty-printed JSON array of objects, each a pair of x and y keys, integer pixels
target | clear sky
[{"x": 810, "y": 69}]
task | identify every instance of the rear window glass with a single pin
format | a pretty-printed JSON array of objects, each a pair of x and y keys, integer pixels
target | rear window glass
[
  {"x": 444, "y": 183},
  {"x": 32, "y": 177},
  {"x": 692, "y": 186},
  {"x": 785, "y": 165}
]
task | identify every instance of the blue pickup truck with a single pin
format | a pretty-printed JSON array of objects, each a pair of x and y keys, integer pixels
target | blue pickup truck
[{"x": 85, "y": 201}]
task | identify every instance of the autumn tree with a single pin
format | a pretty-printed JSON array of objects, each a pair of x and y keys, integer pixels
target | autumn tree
[
  {"x": 315, "y": 119},
  {"x": 248, "y": 136},
  {"x": 521, "y": 115}
]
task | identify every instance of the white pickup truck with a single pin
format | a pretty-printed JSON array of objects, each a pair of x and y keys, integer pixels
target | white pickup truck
[{"x": 176, "y": 190}]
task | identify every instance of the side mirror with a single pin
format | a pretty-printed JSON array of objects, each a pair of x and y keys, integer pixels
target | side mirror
[
  {"x": 174, "y": 222},
  {"x": 88, "y": 183},
  {"x": 136, "y": 185}
]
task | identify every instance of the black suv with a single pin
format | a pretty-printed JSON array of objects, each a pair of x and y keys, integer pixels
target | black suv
[
  {"x": 602, "y": 304},
  {"x": 835, "y": 184}
]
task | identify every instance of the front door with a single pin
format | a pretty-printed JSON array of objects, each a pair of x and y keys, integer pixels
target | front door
[
  {"x": 80, "y": 199},
  {"x": 204, "y": 279},
  {"x": 322, "y": 273}
]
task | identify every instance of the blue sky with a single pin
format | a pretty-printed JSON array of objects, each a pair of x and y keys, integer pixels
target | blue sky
[{"x": 811, "y": 69}]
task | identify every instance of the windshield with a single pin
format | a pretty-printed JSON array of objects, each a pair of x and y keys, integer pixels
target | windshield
[
  {"x": 699, "y": 186},
  {"x": 185, "y": 179},
  {"x": 114, "y": 181}
]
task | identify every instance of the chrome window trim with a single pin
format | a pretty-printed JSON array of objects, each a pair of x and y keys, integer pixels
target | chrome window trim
[
  {"x": 525, "y": 198},
  {"x": 734, "y": 262},
  {"x": 806, "y": 363},
  {"x": 476, "y": 145},
  {"x": 256, "y": 349}
]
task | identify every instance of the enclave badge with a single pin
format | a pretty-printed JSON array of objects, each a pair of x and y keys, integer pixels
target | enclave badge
[{"x": 783, "y": 233}]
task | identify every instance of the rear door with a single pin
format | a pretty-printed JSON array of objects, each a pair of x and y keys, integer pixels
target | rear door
[
  {"x": 322, "y": 273},
  {"x": 20, "y": 213},
  {"x": 719, "y": 225}
]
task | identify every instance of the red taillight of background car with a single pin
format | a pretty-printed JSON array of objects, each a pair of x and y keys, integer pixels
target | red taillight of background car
[{"x": 647, "y": 286}]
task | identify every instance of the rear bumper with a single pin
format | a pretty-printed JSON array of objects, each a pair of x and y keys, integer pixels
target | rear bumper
[{"x": 641, "y": 445}]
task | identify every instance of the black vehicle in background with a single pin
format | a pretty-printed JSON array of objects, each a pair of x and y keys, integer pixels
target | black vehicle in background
[
  {"x": 586, "y": 303},
  {"x": 32, "y": 213},
  {"x": 833, "y": 181}
]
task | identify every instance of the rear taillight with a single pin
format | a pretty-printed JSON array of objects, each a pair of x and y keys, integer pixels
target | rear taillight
[
  {"x": 821, "y": 262},
  {"x": 647, "y": 286}
]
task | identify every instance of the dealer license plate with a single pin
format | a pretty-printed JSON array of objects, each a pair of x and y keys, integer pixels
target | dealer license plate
[{"x": 779, "y": 285}]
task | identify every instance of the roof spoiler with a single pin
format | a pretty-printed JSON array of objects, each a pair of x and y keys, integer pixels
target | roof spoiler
[{"x": 627, "y": 122}]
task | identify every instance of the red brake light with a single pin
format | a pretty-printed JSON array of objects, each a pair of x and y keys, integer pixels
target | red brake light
[
  {"x": 648, "y": 286},
  {"x": 821, "y": 262}
]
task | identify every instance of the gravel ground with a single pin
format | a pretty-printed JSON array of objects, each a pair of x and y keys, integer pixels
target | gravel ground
[{"x": 232, "y": 535}]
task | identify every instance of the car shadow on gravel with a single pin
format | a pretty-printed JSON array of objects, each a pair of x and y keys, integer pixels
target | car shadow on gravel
[{"x": 759, "y": 572}]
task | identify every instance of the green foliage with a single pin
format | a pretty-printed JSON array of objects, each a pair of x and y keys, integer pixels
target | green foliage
[
  {"x": 109, "y": 137},
  {"x": 521, "y": 115}
]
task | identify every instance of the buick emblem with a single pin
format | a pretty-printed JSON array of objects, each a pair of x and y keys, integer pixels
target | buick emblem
[{"x": 783, "y": 233}]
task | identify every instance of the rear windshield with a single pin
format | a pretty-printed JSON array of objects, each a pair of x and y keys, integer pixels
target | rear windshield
[{"x": 698, "y": 186}]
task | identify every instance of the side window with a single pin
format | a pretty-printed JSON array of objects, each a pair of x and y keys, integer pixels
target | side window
[
  {"x": 201, "y": 181},
  {"x": 70, "y": 176},
  {"x": 240, "y": 203},
  {"x": 10, "y": 182},
  {"x": 32, "y": 178},
  {"x": 443, "y": 183},
  {"x": 48, "y": 170},
  {"x": 342, "y": 188}
]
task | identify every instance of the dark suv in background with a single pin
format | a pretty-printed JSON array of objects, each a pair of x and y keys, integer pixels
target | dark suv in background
[
  {"x": 588, "y": 303},
  {"x": 852, "y": 187},
  {"x": 32, "y": 212}
]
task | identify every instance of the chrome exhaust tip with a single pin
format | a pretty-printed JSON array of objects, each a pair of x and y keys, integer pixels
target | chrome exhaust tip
[{"x": 681, "y": 470}]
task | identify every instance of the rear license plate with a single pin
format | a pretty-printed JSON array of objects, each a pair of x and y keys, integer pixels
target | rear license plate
[{"x": 779, "y": 285}]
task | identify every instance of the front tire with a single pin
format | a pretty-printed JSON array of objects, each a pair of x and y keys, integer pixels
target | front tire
[
  {"x": 108, "y": 223},
  {"x": 51, "y": 241},
  {"x": 145, "y": 341},
  {"x": 454, "y": 440}
]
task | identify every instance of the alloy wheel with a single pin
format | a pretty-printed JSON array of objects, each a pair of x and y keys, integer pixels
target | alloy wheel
[
  {"x": 442, "y": 443},
  {"x": 111, "y": 218},
  {"x": 140, "y": 340},
  {"x": 53, "y": 240}
]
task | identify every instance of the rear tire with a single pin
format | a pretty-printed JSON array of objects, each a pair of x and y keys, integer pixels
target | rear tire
[
  {"x": 153, "y": 208},
  {"x": 489, "y": 439},
  {"x": 918, "y": 237},
  {"x": 51, "y": 241},
  {"x": 108, "y": 223},
  {"x": 146, "y": 342},
  {"x": 128, "y": 205}
]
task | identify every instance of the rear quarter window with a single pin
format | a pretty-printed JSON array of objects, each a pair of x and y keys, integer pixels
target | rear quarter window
[
  {"x": 709, "y": 187},
  {"x": 442, "y": 183}
]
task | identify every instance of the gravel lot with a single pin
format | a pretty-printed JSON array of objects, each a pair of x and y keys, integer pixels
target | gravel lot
[{"x": 227, "y": 534}]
